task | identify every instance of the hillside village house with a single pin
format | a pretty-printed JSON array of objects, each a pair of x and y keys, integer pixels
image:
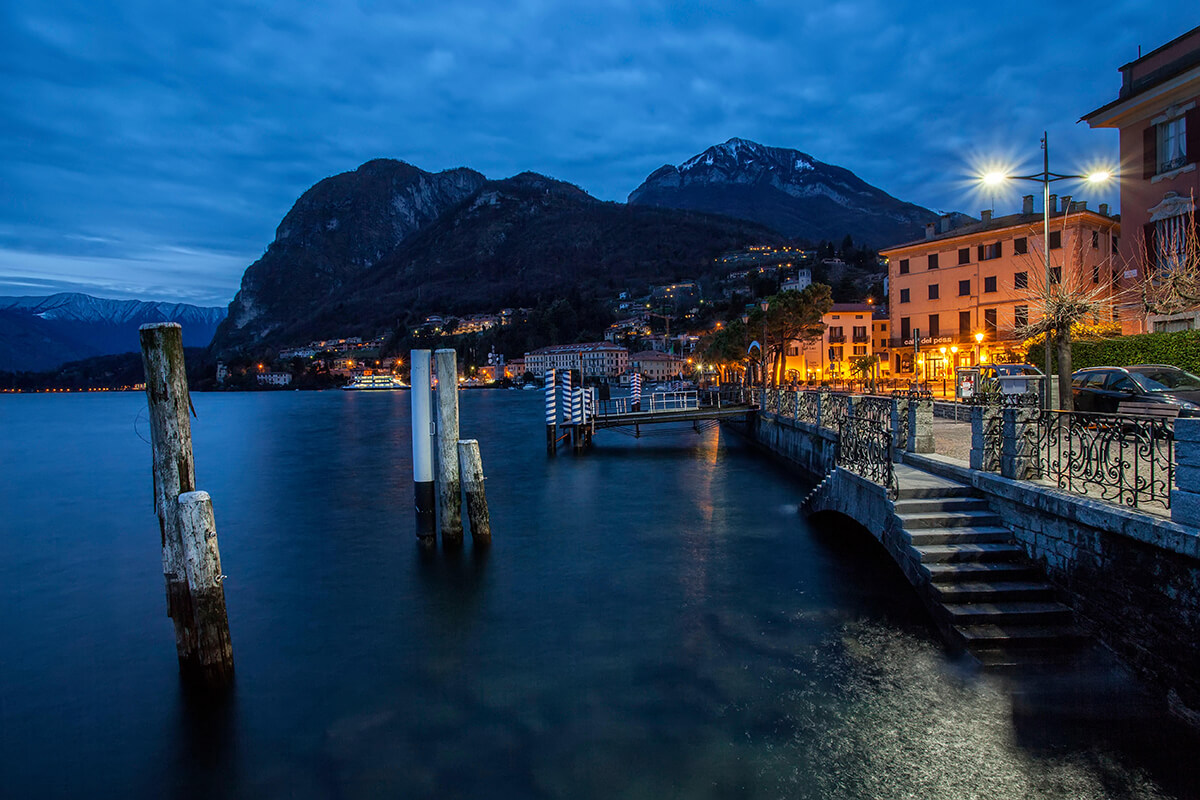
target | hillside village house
[
  {"x": 595, "y": 359},
  {"x": 968, "y": 288},
  {"x": 1158, "y": 115},
  {"x": 657, "y": 366}
]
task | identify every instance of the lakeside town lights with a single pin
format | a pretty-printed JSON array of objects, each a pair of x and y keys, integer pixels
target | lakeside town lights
[{"x": 1046, "y": 177}]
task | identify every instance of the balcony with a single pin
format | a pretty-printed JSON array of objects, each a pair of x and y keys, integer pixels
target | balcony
[
  {"x": 861, "y": 338},
  {"x": 837, "y": 338}
]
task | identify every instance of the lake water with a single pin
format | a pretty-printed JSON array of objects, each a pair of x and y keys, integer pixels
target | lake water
[{"x": 653, "y": 620}]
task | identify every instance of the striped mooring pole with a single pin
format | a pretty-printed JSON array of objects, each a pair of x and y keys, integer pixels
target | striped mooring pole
[
  {"x": 551, "y": 414},
  {"x": 422, "y": 444}
]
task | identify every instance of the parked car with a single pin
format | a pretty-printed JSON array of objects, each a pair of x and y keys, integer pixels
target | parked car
[{"x": 1103, "y": 389}]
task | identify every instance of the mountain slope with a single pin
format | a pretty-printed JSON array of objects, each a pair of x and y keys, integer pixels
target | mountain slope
[
  {"x": 334, "y": 234},
  {"x": 787, "y": 190},
  {"x": 506, "y": 244},
  {"x": 40, "y": 333}
]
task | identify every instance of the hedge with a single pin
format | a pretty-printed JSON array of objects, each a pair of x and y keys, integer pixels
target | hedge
[{"x": 1181, "y": 349}]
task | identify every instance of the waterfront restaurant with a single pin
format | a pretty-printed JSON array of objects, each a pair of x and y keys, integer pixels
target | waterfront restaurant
[{"x": 967, "y": 289}]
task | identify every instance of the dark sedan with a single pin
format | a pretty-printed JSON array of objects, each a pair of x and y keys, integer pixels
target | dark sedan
[{"x": 1105, "y": 388}]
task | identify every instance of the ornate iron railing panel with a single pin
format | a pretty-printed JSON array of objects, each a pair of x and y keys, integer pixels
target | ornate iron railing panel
[
  {"x": 1122, "y": 459},
  {"x": 865, "y": 448},
  {"x": 876, "y": 409},
  {"x": 833, "y": 411},
  {"x": 809, "y": 407}
]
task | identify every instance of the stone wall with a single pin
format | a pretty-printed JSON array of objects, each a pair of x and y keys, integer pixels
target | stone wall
[{"x": 812, "y": 449}]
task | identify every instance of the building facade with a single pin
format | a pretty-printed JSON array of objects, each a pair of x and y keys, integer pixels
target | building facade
[
  {"x": 657, "y": 366},
  {"x": 1158, "y": 115},
  {"x": 594, "y": 359},
  {"x": 970, "y": 289},
  {"x": 849, "y": 328}
]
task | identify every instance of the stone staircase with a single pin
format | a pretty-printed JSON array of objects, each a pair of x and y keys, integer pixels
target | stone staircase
[{"x": 985, "y": 594}]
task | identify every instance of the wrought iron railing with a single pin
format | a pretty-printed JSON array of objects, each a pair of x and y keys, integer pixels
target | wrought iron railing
[
  {"x": 875, "y": 409},
  {"x": 865, "y": 448},
  {"x": 809, "y": 407},
  {"x": 833, "y": 410},
  {"x": 1119, "y": 458}
]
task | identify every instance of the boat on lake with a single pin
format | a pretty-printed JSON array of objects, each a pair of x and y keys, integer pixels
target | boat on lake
[{"x": 375, "y": 383}]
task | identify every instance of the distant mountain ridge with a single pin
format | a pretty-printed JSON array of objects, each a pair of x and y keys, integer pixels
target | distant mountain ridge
[
  {"x": 42, "y": 332},
  {"x": 787, "y": 190},
  {"x": 376, "y": 248}
]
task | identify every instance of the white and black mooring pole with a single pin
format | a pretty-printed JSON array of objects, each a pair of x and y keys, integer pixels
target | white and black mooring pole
[
  {"x": 422, "y": 444},
  {"x": 551, "y": 414}
]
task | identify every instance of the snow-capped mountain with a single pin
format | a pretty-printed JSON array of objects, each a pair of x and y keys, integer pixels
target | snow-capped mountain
[
  {"x": 788, "y": 190},
  {"x": 39, "y": 333}
]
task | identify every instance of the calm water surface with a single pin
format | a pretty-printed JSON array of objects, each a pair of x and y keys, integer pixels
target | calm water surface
[{"x": 654, "y": 620}]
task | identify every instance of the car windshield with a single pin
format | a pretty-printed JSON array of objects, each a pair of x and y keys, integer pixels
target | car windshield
[
  {"x": 1017, "y": 369},
  {"x": 1165, "y": 379}
]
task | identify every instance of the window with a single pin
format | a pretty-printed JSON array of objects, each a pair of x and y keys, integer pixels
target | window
[
  {"x": 904, "y": 295},
  {"x": 989, "y": 321},
  {"x": 964, "y": 288},
  {"x": 1095, "y": 240},
  {"x": 933, "y": 326},
  {"x": 905, "y": 329},
  {"x": 933, "y": 291},
  {"x": 1021, "y": 246},
  {"x": 1096, "y": 272},
  {"x": 793, "y": 350},
  {"x": 1171, "y": 144},
  {"x": 860, "y": 333},
  {"x": 933, "y": 260},
  {"x": 989, "y": 284},
  {"x": 1055, "y": 240},
  {"x": 1170, "y": 241},
  {"x": 987, "y": 252},
  {"x": 1021, "y": 316},
  {"x": 835, "y": 354},
  {"x": 964, "y": 323},
  {"x": 860, "y": 349},
  {"x": 1020, "y": 280},
  {"x": 964, "y": 255},
  {"x": 904, "y": 266}
]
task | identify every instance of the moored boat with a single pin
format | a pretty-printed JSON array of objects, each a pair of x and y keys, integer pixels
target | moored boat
[{"x": 375, "y": 383}]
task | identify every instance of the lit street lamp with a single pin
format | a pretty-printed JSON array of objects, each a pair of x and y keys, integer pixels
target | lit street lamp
[{"x": 1046, "y": 178}]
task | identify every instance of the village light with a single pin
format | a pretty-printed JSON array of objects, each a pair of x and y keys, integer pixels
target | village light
[{"x": 1046, "y": 177}]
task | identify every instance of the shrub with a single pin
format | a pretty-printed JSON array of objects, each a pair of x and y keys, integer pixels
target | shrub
[{"x": 1180, "y": 349}]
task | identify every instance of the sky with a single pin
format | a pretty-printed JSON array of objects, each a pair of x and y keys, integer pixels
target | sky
[{"x": 150, "y": 149}]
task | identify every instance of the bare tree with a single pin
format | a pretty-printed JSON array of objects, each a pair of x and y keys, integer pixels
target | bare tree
[
  {"x": 1070, "y": 299},
  {"x": 1169, "y": 274}
]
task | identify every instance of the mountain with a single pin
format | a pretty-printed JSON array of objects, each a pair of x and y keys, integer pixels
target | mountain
[
  {"x": 787, "y": 190},
  {"x": 334, "y": 234},
  {"x": 40, "y": 333},
  {"x": 507, "y": 242}
]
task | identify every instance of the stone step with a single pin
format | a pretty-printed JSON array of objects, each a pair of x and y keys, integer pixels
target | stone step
[
  {"x": 923, "y": 492},
  {"x": 968, "y": 552},
  {"x": 987, "y": 636},
  {"x": 932, "y": 505},
  {"x": 973, "y": 519},
  {"x": 1009, "y": 612},
  {"x": 1020, "y": 659},
  {"x": 977, "y": 571},
  {"x": 974, "y": 591},
  {"x": 928, "y": 536}
]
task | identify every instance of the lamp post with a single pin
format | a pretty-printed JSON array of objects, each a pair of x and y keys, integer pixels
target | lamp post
[
  {"x": 978, "y": 347},
  {"x": 1046, "y": 178},
  {"x": 943, "y": 351}
]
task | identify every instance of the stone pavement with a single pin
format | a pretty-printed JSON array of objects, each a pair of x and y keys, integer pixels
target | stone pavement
[{"x": 952, "y": 439}]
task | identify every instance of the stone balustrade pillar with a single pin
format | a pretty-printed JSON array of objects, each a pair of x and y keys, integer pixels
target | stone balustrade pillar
[
  {"x": 920, "y": 425},
  {"x": 986, "y": 437},
  {"x": 1018, "y": 449},
  {"x": 900, "y": 426},
  {"x": 1185, "y": 500}
]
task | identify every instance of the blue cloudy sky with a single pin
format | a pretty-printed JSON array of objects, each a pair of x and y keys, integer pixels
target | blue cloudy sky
[{"x": 150, "y": 149}]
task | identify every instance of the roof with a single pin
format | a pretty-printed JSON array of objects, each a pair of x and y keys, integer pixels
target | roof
[
  {"x": 1134, "y": 85},
  {"x": 997, "y": 224},
  {"x": 848, "y": 307},
  {"x": 654, "y": 355},
  {"x": 582, "y": 347}
]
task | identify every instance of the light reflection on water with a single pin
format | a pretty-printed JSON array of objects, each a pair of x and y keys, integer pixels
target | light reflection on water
[{"x": 654, "y": 620}]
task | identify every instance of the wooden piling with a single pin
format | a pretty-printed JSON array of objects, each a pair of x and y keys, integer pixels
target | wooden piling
[
  {"x": 470, "y": 467},
  {"x": 422, "y": 446},
  {"x": 173, "y": 468},
  {"x": 202, "y": 558},
  {"x": 449, "y": 488}
]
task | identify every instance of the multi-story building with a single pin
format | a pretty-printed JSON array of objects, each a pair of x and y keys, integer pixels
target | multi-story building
[
  {"x": 657, "y": 366},
  {"x": 847, "y": 335},
  {"x": 595, "y": 359},
  {"x": 1158, "y": 115},
  {"x": 971, "y": 289}
]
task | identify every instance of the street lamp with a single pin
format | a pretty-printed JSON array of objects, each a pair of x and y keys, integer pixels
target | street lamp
[
  {"x": 943, "y": 350},
  {"x": 1046, "y": 177}
]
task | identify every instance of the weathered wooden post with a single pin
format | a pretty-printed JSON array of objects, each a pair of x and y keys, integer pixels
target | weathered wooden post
[
  {"x": 422, "y": 445},
  {"x": 551, "y": 414},
  {"x": 449, "y": 488},
  {"x": 202, "y": 559},
  {"x": 174, "y": 471},
  {"x": 471, "y": 469}
]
